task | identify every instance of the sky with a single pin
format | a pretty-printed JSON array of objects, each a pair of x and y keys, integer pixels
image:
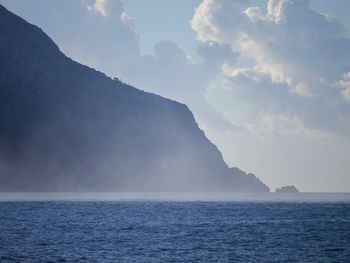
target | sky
[{"x": 268, "y": 81}]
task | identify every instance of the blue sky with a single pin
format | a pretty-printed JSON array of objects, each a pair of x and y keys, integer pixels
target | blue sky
[
  {"x": 268, "y": 81},
  {"x": 175, "y": 17}
]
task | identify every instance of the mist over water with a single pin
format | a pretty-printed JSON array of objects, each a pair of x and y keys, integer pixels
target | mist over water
[{"x": 176, "y": 197}]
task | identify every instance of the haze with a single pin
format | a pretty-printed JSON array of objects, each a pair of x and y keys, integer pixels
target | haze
[{"x": 269, "y": 82}]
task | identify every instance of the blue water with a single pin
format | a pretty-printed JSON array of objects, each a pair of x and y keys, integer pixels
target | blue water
[{"x": 157, "y": 231}]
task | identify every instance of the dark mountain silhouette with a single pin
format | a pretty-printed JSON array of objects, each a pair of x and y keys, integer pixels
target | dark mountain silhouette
[{"x": 67, "y": 127}]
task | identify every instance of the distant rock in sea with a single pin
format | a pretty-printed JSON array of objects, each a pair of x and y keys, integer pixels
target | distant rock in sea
[
  {"x": 67, "y": 127},
  {"x": 287, "y": 189}
]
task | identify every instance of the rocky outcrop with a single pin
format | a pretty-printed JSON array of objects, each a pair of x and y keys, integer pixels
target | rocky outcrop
[{"x": 287, "y": 189}]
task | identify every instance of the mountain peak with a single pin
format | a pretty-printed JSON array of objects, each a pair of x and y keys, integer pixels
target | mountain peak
[{"x": 67, "y": 127}]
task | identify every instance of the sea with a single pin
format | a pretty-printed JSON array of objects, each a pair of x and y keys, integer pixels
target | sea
[{"x": 177, "y": 227}]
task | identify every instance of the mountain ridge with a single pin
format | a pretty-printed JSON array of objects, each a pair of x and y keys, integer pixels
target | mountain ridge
[{"x": 66, "y": 126}]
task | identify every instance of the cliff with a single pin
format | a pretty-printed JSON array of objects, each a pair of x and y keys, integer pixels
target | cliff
[{"x": 67, "y": 127}]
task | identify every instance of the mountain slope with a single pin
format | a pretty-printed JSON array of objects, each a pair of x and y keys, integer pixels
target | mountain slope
[{"x": 67, "y": 127}]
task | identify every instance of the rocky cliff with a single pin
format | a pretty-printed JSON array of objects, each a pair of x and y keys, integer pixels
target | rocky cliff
[{"x": 67, "y": 127}]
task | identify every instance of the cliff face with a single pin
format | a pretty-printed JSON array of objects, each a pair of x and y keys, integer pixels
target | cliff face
[{"x": 67, "y": 127}]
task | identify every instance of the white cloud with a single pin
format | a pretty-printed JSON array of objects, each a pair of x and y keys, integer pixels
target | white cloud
[
  {"x": 344, "y": 85},
  {"x": 127, "y": 20},
  {"x": 295, "y": 53},
  {"x": 104, "y": 8},
  {"x": 100, "y": 7},
  {"x": 346, "y": 94}
]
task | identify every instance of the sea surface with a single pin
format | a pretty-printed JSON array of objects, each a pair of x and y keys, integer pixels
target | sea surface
[{"x": 156, "y": 228}]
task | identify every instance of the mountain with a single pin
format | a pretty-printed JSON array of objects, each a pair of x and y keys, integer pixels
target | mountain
[{"x": 67, "y": 127}]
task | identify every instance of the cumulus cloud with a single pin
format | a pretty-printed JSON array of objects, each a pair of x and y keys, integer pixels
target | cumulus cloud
[
  {"x": 344, "y": 85},
  {"x": 298, "y": 58},
  {"x": 127, "y": 20},
  {"x": 100, "y": 6},
  {"x": 104, "y": 8}
]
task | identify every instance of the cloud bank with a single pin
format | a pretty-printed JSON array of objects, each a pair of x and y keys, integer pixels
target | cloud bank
[{"x": 299, "y": 63}]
